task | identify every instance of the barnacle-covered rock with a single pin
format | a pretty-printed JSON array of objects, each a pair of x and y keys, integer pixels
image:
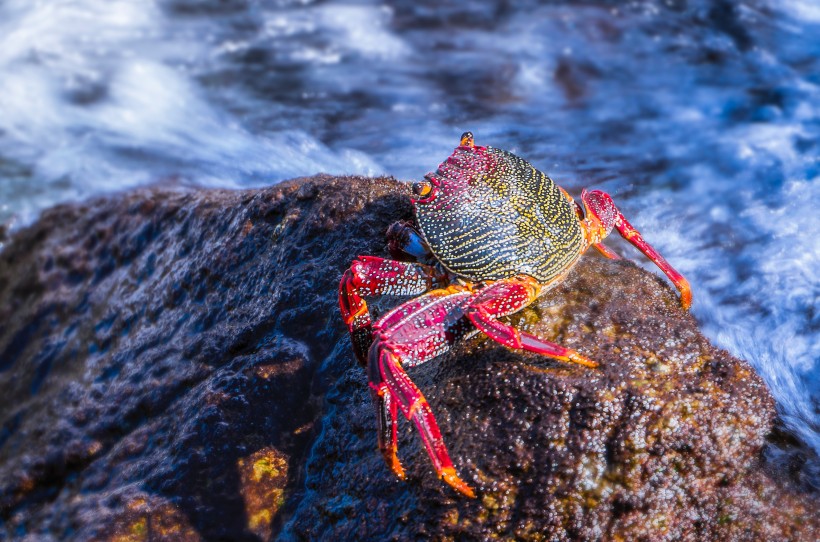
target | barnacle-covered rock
[{"x": 173, "y": 365}]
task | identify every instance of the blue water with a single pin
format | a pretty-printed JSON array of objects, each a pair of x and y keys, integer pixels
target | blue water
[{"x": 702, "y": 118}]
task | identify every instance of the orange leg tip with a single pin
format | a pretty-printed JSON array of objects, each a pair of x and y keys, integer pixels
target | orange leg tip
[
  {"x": 395, "y": 465},
  {"x": 448, "y": 474},
  {"x": 575, "y": 357},
  {"x": 685, "y": 294},
  {"x": 606, "y": 251}
]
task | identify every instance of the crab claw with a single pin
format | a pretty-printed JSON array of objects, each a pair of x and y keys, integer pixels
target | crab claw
[
  {"x": 603, "y": 216},
  {"x": 467, "y": 140}
]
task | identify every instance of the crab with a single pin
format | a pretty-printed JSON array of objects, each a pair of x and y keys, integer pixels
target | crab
[{"x": 492, "y": 234}]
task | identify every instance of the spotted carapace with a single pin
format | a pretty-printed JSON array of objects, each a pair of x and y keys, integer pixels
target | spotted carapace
[{"x": 492, "y": 234}]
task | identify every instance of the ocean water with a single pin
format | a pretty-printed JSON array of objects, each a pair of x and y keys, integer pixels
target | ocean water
[{"x": 700, "y": 117}]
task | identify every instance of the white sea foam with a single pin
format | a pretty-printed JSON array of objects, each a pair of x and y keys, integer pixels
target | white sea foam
[
  {"x": 753, "y": 271},
  {"x": 806, "y": 10},
  {"x": 95, "y": 96}
]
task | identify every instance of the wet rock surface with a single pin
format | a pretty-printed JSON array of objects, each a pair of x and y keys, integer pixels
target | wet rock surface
[{"x": 173, "y": 366}]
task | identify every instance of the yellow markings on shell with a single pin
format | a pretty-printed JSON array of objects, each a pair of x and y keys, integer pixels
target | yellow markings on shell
[{"x": 497, "y": 216}]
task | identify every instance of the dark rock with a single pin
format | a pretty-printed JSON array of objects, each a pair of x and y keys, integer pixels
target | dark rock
[
  {"x": 158, "y": 351},
  {"x": 662, "y": 442},
  {"x": 173, "y": 365}
]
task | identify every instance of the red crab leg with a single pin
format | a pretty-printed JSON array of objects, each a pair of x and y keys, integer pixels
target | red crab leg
[
  {"x": 606, "y": 214},
  {"x": 387, "y": 412},
  {"x": 507, "y": 297},
  {"x": 415, "y": 408},
  {"x": 414, "y": 333},
  {"x": 371, "y": 276}
]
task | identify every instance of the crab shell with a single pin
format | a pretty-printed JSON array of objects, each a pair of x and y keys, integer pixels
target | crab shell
[{"x": 491, "y": 215}]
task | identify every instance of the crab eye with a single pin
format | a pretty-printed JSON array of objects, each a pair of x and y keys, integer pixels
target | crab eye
[{"x": 422, "y": 189}]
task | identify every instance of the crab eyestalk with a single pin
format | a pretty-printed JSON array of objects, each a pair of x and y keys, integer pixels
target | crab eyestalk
[
  {"x": 603, "y": 215},
  {"x": 422, "y": 189}
]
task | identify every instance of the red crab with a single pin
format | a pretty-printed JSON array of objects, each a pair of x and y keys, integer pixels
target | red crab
[{"x": 494, "y": 233}]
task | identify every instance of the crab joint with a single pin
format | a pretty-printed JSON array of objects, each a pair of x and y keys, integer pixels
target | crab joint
[{"x": 415, "y": 406}]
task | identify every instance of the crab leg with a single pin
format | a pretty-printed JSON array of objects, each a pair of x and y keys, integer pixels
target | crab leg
[
  {"x": 372, "y": 276},
  {"x": 606, "y": 251},
  {"x": 603, "y": 215},
  {"x": 507, "y": 297},
  {"x": 387, "y": 413},
  {"x": 415, "y": 408},
  {"x": 411, "y": 334}
]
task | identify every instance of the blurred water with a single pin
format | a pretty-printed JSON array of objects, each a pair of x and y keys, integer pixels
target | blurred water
[{"x": 701, "y": 117}]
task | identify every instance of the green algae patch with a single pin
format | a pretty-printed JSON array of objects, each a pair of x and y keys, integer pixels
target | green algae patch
[{"x": 263, "y": 477}]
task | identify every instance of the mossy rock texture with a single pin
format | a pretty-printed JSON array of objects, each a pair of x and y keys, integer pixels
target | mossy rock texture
[{"x": 174, "y": 367}]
